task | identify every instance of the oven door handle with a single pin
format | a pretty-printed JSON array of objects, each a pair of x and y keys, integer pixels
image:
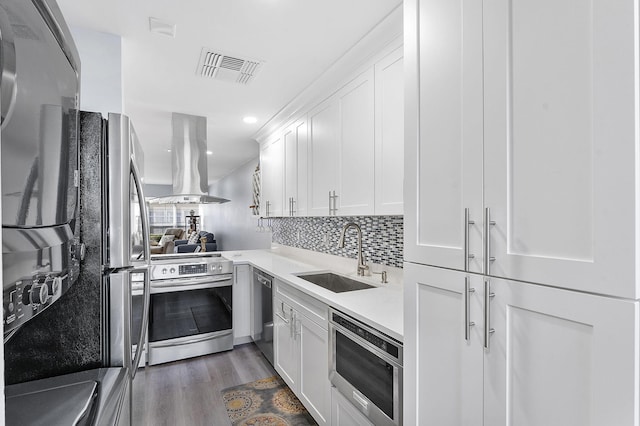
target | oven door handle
[
  {"x": 220, "y": 281},
  {"x": 186, "y": 342}
]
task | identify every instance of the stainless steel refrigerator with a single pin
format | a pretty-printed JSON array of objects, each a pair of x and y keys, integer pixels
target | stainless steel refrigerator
[
  {"x": 124, "y": 232},
  {"x": 126, "y": 247}
]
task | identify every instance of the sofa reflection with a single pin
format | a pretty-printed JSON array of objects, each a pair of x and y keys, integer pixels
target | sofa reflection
[{"x": 194, "y": 243}]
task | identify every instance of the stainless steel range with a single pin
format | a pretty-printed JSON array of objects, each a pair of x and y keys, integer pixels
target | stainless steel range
[{"x": 190, "y": 306}]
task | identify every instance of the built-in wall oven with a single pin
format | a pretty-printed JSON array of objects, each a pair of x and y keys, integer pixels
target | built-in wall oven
[
  {"x": 190, "y": 312},
  {"x": 365, "y": 365}
]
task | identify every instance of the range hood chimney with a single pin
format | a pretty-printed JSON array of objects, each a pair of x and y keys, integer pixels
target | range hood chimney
[{"x": 189, "y": 163}]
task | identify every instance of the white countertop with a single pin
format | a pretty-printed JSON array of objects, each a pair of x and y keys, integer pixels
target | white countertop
[{"x": 379, "y": 307}]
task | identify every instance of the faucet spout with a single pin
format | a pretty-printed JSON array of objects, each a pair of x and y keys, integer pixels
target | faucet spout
[{"x": 362, "y": 264}]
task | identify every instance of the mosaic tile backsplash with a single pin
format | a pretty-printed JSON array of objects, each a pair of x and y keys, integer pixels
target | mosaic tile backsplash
[{"x": 382, "y": 236}]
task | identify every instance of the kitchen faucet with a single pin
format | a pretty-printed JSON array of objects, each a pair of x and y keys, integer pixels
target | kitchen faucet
[{"x": 362, "y": 264}]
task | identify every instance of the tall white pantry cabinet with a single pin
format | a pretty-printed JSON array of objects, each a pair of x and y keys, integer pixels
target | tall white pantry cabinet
[{"x": 522, "y": 212}]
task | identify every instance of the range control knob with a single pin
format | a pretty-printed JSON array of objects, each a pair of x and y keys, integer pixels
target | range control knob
[
  {"x": 164, "y": 271},
  {"x": 39, "y": 294},
  {"x": 172, "y": 270},
  {"x": 55, "y": 285}
]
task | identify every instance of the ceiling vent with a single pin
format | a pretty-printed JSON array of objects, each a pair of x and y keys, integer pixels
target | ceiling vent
[{"x": 225, "y": 67}]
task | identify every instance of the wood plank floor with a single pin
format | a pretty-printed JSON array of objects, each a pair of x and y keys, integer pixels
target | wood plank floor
[{"x": 187, "y": 393}]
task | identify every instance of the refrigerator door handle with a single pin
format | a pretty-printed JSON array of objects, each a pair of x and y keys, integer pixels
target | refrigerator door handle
[
  {"x": 8, "y": 68},
  {"x": 147, "y": 257}
]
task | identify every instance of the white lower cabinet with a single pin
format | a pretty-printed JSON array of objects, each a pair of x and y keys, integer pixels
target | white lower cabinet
[
  {"x": 241, "y": 299},
  {"x": 345, "y": 414},
  {"x": 286, "y": 352},
  {"x": 301, "y": 349},
  {"x": 487, "y": 351}
]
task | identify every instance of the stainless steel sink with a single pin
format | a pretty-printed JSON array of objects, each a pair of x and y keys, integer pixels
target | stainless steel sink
[{"x": 334, "y": 282}]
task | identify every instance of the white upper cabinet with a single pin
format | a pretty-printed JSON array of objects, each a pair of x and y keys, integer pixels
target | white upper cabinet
[
  {"x": 561, "y": 142},
  {"x": 323, "y": 156},
  {"x": 389, "y": 134},
  {"x": 443, "y": 114},
  {"x": 295, "y": 169},
  {"x": 355, "y": 192},
  {"x": 525, "y": 111},
  {"x": 271, "y": 164},
  {"x": 345, "y": 157}
]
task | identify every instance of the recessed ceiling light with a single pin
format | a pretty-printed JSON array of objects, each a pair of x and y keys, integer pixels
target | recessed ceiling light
[
  {"x": 161, "y": 27},
  {"x": 209, "y": 152},
  {"x": 168, "y": 150},
  {"x": 250, "y": 120}
]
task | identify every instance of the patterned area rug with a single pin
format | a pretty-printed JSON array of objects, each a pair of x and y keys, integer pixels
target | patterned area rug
[{"x": 265, "y": 402}]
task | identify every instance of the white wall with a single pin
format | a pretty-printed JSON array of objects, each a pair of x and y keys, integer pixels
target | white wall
[
  {"x": 100, "y": 70},
  {"x": 232, "y": 222}
]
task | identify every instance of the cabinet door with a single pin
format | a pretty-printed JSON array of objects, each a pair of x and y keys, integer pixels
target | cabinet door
[
  {"x": 443, "y": 132},
  {"x": 443, "y": 365},
  {"x": 561, "y": 116},
  {"x": 286, "y": 352},
  {"x": 357, "y": 147},
  {"x": 560, "y": 357},
  {"x": 389, "y": 134},
  {"x": 315, "y": 387},
  {"x": 345, "y": 414},
  {"x": 271, "y": 164},
  {"x": 295, "y": 169},
  {"x": 241, "y": 303},
  {"x": 323, "y": 156}
]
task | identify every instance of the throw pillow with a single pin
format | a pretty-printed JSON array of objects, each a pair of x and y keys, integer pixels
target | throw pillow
[
  {"x": 193, "y": 238},
  {"x": 165, "y": 239}
]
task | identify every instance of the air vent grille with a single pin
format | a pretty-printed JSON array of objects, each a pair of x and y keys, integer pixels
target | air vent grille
[{"x": 226, "y": 67}]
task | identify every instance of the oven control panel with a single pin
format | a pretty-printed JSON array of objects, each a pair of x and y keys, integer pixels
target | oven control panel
[
  {"x": 363, "y": 332},
  {"x": 170, "y": 270},
  {"x": 28, "y": 296},
  {"x": 193, "y": 269}
]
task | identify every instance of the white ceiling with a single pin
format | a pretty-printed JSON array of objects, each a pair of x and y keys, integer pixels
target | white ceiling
[{"x": 297, "y": 39}]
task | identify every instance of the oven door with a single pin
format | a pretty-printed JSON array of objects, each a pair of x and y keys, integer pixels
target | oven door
[
  {"x": 366, "y": 376},
  {"x": 190, "y": 317}
]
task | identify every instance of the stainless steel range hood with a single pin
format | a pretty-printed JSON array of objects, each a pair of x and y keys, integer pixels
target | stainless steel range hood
[{"x": 189, "y": 163}]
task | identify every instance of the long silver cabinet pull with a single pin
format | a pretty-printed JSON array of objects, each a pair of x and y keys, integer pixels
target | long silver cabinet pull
[
  {"x": 467, "y": 255},
  {"x": 292, "y": 324},
  {"x": 487, "y": 312},
  {"x": 488, "y": 223},
  {"x": 467, "y": 309}
]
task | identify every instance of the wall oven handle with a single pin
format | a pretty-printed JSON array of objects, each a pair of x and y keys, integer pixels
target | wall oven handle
[{"x": 147, "y": 279}]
